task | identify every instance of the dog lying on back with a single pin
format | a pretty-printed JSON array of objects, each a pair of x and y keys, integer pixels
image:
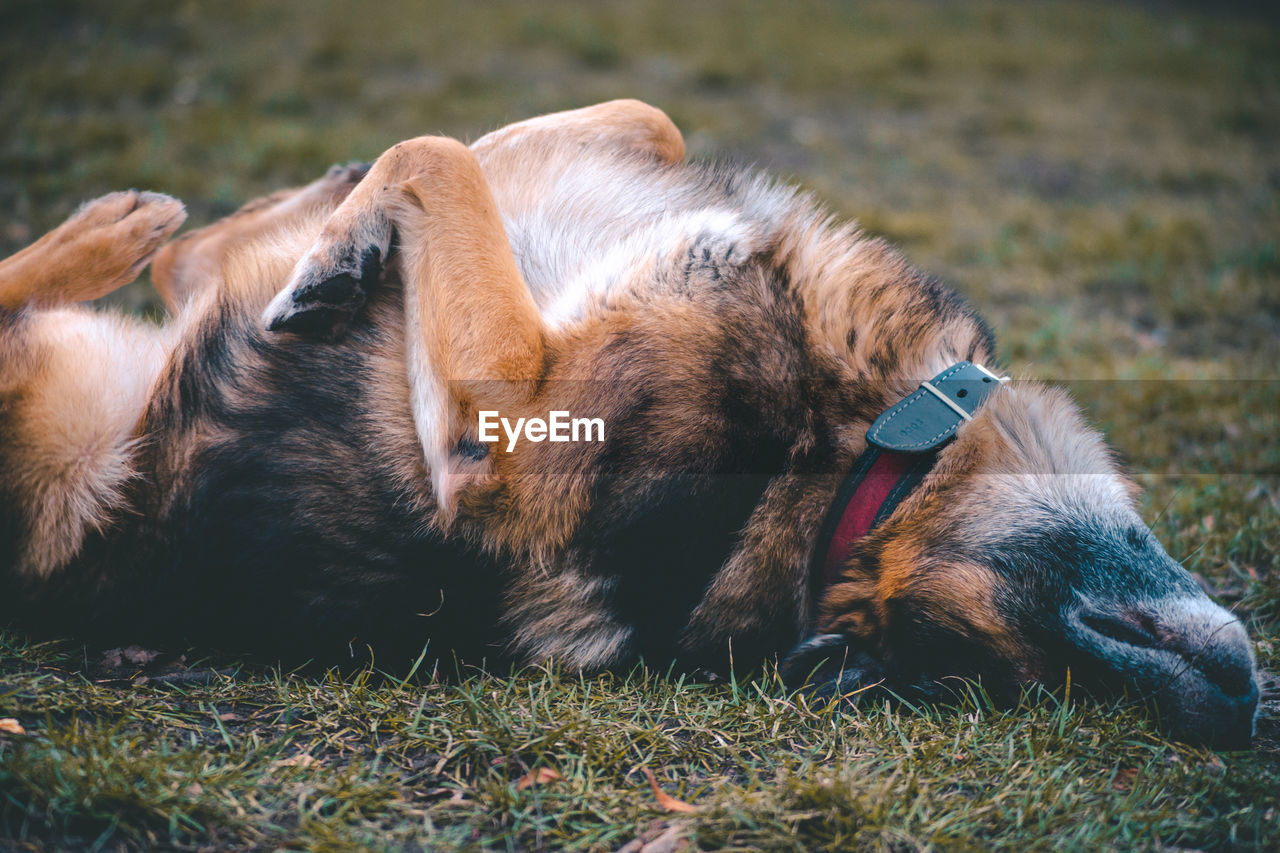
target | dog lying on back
[{"x": 295, "y": 463}]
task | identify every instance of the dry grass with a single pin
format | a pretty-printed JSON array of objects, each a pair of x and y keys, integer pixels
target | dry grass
[{"x": 1100, "y": 179}]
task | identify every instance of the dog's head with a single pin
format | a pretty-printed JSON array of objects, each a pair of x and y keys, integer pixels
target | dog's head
[{"x": 1018, "y": 559}]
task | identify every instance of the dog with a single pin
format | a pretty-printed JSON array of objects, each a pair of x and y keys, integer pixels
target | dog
[{"x": 805, "y": 451}]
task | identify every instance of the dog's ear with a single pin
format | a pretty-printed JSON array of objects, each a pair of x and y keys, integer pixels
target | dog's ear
[{"x": 832, "y": 665}]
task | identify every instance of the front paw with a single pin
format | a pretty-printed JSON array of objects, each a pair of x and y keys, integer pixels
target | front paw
[
  {"x": 332, "y": 281},
  {"x": 106, "y": 244},
  {"x": 830, "y": 666}
]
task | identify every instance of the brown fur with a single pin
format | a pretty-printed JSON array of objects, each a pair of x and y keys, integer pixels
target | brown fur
[{"x": 74, "y": 382}]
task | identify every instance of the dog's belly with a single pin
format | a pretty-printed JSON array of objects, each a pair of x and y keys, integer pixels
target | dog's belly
[
  {"x": 649, "y": 258},
  {"x": 302, "y": 530},
  {"x": 295, "y": 523},
  {"x": 296, "y": 541},
  {"x": 618, "y": 225}
]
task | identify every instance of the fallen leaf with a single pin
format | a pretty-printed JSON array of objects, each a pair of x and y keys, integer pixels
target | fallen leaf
[
  {"x": 1125, "y": 778},
  {"x": 10, "y": 726},
  {"x": 139, "y": 655},
  {"x": 1215, "y": 766},
  {"x": 302, "y": 759},
  {"x": 541, "y": 776},
  {"x": 665, "y": 800},
  {"x": 661, "y": 838},
  {"x": 231, "y": 717}
]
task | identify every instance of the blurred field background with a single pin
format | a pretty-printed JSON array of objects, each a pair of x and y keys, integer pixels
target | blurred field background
[{"x": 1101, "y": 180}]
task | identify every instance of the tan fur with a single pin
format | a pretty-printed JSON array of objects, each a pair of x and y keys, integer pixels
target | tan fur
[
  {"x": 1026, "y": 459},
  {"x": 522, "y": 261},
  {"x": 78, "y": 418},
  {"x": 547, "y": 145},
  {"x": 476, "y": 336},
  {"x": 475, "y": 333},
  {"x": 623, "y": 125},
  {"x": 476, "y": 339},
  {"x": 76, "y": 382},
  {"x": 470, "y": 317},
  {"x": 195, "y": 261},
  {"x": 102, "y": 247}
]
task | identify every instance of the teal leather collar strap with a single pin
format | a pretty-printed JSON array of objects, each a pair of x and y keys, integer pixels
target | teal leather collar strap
[
  {"x": 902, "y": 446},
  {"x": 929, "y": 416}
]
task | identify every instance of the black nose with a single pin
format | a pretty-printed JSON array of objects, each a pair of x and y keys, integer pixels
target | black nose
[{"x": 1188, "y": 656}]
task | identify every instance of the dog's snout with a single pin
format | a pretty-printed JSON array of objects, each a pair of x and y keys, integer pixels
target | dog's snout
[
  {"x": 1129, "y": 626},
  {"x": 1213, "y": 642},
  {"x": 1188, "y": 654},
  {"x": 1204, "y": 636}
]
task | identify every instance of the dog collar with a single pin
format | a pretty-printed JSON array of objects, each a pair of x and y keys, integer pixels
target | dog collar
[{"x": 902, "y": 446}]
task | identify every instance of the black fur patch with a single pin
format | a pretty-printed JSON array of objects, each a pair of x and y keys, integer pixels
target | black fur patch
[{"x": 322, "y": 309}]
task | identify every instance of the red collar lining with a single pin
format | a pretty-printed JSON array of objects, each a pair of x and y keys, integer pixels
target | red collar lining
[
  {"x": 879, "y": 481},
  {"x": 881, "y": 478}
]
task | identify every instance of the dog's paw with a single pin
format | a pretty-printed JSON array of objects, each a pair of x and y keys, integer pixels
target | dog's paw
[
  {"x": 148, "y": 225},
  {"x": 108, "y": 241},
  {"x": 156, "y": 209},
  {"x": 342, "y": 177},
  {"x": 136, "y": 223},
  {"x": 332, "y": 280},
  {"x": 329, "y": 189}
]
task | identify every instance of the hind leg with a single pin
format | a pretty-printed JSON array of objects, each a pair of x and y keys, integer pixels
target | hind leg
[
  {"x": 624, "y": 127},
  {"x": 191, "y": 262},
  {"x": 102, "y": 247},
  {"x": 517, "y": 160},
  {"x": 525, "y": 161}
]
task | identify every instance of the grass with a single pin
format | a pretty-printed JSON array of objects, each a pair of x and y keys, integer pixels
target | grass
[
  {"x": 1100, "y": 179},
  {"x": 268, "y": 760}
]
